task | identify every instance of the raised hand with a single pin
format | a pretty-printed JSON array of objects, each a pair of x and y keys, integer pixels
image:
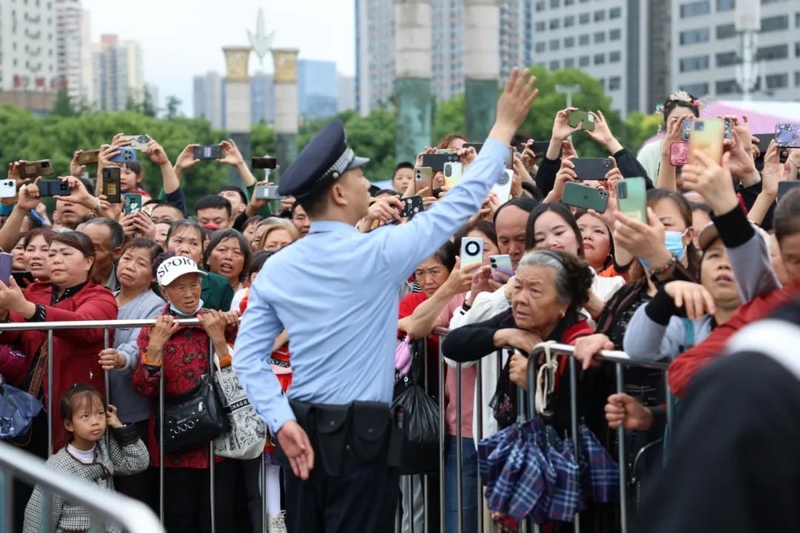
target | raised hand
[{"x": 713, "y": 181}]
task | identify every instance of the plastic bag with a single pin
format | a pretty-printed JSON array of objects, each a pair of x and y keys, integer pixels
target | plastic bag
[{"x": 17, "y": 411}]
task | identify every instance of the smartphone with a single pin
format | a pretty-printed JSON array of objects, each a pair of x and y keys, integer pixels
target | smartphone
[
  {"x": 576, "y": 117},
  {"x": 411, "y": 206},
  {"x": 502, "y": 264},
  {"x": 539, "y": 148},
  {"x": 267, "y": 192},
  {"x": 787, "y": 135},
  {"x": 34, "y": 169},
  {"x": 707, "y": 136},
  {"x": 632, "y": 198},
  {"x": 503, "y": 186},
  {"x": 133, "y": 203},
  {"x": 264, "y": 163},
  {"x": 436, "y": 161},
  {"x": 728, "y": 128},
  {"x": 138, "y": 142},
  {"x": 686, "y": 129},
  {"x": 111, "y": 185},
  {"x": 679, "y": 154},
  {"x": 786, "y": 186},
  {"x": 585, "y": 197},
  {"x": 452, "y": 173},
  {"x": 6, "y": 260},
  {"x": 88, "y": 157},
  {"x": 207, "y": 153},
  {"x": 471, "y": 251},
  {"x": 126, "y": 155},
  {"x": 423, "y": 179},
  {"x": 476, "y": 146},
  {"x": 8, "y": 189},
  {"x": 592, "y": 169},
  {"x": 50, "y": 188},
  {"x": 22, "y": 277}
]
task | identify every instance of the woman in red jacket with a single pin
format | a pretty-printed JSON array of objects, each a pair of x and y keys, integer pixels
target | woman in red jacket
[
  {"x": 181, "y": 352},
  {"x": 68, "y": 296}
]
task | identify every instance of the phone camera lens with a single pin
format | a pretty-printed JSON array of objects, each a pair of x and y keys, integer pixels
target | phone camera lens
[{"x": 472, "y": 248}]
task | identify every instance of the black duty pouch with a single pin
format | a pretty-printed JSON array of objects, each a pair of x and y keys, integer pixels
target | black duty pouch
[
  {"x": 332, "y": 432},
  {"x": 369, "y": 436}
]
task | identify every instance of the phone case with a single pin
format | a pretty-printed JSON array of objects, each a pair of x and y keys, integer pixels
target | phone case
[
  {"x": 89, "y": 157},
  {"x": 138, "y": 142},
  {"x": 423, "y": 179},
  {"x": 264, "y": 163},
  {"x": 540, "y": 148},
  {"x": 50, "y": 188},
  {"x": 707, "y": 137},
  {"x": 503, "y": 186},
  {"x": 111, "y": 185},
  {"x": 501, "y": 263},
  {"x": 787, "y": 135},
  {"x": 728, "y": 128},
  {"x": 33, "y": 169},
  {"x": 452, "y": 173},
  {"x": 8, "y": 189},
  {"x": 133, "y": 203},
  {"x": 592, "y": 169},
  {"x": 126, "y": 155},
  {"x": 585, "y": 197},
  {"x": 632, "y": 198},
  {"x": 679, "y": 154},
  {"x": 576, "y": 117},
  {"x": 6, "y": 262},
  {"x": 471, "y": 251},
  {"x": 786, "y": 186},
  {"x": 411, "y": 206}
]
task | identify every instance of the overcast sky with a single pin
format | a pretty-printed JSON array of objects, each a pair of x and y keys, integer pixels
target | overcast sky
[{"x": 182, "y": 39}]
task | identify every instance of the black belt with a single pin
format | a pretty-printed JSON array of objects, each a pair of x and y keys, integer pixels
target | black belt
[{"x": 364, "y": 429}]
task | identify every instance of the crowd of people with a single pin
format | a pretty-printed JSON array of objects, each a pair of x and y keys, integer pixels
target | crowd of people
[{"x": 716, "y": 252}]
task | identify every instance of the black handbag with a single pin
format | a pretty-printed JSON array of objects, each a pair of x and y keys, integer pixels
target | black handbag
[{"x": 194, "y": 418}]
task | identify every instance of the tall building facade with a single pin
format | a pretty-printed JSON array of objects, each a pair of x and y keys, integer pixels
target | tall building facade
[
  {"x": 262, "y": 98},
  {"x": 375, "y": 47},
  {"x": 209, "y": 99},
  {"x": 345, "y": 93},
  {"x": 707, "y": 47},
  {"x": 118, "y": 74},
  {"x": 28, "y": 59},
  {"x": 69, "y": 47},
  {"x": 316, "y": 89}
]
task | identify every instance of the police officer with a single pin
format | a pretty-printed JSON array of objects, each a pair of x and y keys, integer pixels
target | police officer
[{"x": 336, "y": 294}]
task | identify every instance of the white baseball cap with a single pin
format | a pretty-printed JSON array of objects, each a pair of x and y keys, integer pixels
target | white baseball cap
[{"x": 175, "y": 267}]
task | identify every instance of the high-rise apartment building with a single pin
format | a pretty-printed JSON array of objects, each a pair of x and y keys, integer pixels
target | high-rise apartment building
[
  {"x": 69, "y": 47},
  {"x": 28, "y": 60},
  {"x": 345, "y": 93},
  {"x": 375, "y": 47},
  {"x": 316, "y": 89},
  {"x": 707, "y": 48},
  {"x": 118, "y": 74},
  {"x": 209, "y": 99}
]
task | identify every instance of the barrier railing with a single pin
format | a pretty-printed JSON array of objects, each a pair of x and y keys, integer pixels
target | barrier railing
[
  {"x": 132, "y": 515},
  {"x": 107, "y": 325}
]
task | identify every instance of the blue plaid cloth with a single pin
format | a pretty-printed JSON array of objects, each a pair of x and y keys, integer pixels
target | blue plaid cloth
[
  {"x": 602, "y": 469},
  {"x": 567, "y": 488},
  {"x": 532, "y": 486},
  {"x": 487, "y": 446},
  {"x": 499, "y": 497}
]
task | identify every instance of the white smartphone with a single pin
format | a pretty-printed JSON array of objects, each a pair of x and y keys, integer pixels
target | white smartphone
[
  {"x": 503, "y": 186},
  {"x": 8, "y": 188},
  {"x": 501, "y": 263},
  {"x": 452, "y": 173},
  {"x": 471, "y": 251}
]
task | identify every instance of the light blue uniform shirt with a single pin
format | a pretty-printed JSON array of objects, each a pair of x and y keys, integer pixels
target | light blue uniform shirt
[{"x": 336, "y": 293}]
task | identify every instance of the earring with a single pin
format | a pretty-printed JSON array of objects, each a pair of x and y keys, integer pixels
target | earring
[{"x": 563, "y": 314}]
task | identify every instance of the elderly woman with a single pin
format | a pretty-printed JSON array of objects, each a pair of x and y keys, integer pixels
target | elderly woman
[
  {"x": 181, "y": 353},
  {"x": 550, "y": 288},
  {"x": 277, "y": 236}
]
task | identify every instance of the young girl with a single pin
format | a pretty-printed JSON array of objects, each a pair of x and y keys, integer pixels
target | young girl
[{"x": 88, "y": 455}]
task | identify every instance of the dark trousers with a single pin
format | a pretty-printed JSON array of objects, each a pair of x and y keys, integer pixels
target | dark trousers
[
  {"x": 363, "y": 497},
  {"x": 38, "y": 447},
  {"x": 187, "y": 502},
  {"x": 139, "y": 486}
]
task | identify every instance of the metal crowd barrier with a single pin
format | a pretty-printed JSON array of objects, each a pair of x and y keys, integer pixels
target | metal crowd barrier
[
  {"x": 619, "y": 359},
  {"x": 107, "y": 325}
]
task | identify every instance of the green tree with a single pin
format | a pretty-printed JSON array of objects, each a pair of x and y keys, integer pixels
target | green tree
[
  {"x": 448, "y": 117},
  {"x": 638, "y": 128},
  {"x": 173, "y": 105},
  {"x": 63, "y": 106}
]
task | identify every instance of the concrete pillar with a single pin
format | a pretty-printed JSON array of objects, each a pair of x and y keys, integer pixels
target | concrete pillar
[
  {"x": 412, "y": 86},
  {"x": 482, "y": 66},
  {"x": 286, "y": 106},
  {"x": 237, "y": 103}
]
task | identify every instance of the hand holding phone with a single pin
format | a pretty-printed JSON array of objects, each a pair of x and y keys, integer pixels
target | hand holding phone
[
  {"x": 133, "y": 203},
  {"x": 679, "y": 154},
  {"x": 6, "y": 262},
  {"x": 501, "y": 264},
  {"x": 126, "y": 154},
  {"x": 32, "y": 169},
  {"x": 584, "y": 119},
  {"x": 632, "y": 198},
  {"x": 411, "y": 206},
  {"x": 207, "y": 153},
  {"x": 112, "y": 185},
  {"x": 471, "y": 251}
]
